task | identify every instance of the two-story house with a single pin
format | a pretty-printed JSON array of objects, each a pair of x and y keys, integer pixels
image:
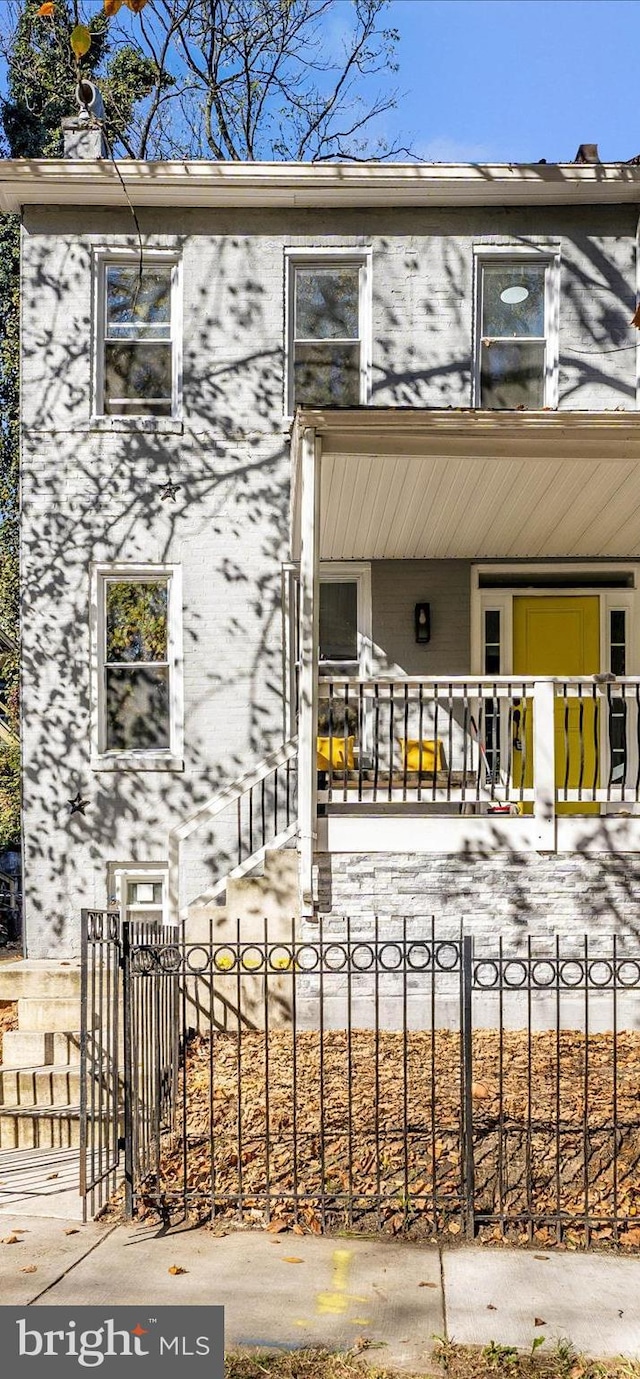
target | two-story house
[{"x": 330, "y": 540}]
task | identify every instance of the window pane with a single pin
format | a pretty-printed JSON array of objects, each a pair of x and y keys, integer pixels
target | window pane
[
  {"x": 143, "y": 302},
  {"x": 327, "y": 303},
  {"x": 144, "y": 893},
  {"x": 618, "y": 642},
  {"x": 339, "y": 621},
  {"x": 513, "y": 299},
  {"x": 139, "y": 370},
  {"x": 137, "y": 709},
  {"x": 327, "y": 375},
  {"x": 137, "y": 620},
  {"x": 512, "y": 375}
]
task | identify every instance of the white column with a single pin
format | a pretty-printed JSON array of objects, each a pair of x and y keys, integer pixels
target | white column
[
  {"x": 308, "y": 684},
  {"x": 544, "y": 764}
]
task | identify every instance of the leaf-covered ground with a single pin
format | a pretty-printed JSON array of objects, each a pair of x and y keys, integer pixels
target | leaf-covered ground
[
  {"x": 556, "y": 1134},
  {"x": 8, "y": 1019}
]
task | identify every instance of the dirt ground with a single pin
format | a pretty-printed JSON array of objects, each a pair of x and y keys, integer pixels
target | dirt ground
[{"x": 556, "y": 1133}]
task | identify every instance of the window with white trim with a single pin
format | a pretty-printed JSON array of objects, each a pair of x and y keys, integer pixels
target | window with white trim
[
  {"x": 328, "y": 309},
  {"x": 141, "y": 892},
  {"x": 517, "y": 346},
  {"x": 138, "y": 663},
  {"x": 137, "y": 363}
]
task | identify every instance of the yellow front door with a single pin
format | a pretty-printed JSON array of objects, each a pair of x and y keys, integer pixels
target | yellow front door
[{"x": 560, "y": 635}]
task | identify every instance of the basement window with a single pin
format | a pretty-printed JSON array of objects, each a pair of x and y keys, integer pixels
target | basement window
[
  {"x": 140, "y": 891},
  {"x": 517, "y": 348},
  {"x": 137, "y": 364}
]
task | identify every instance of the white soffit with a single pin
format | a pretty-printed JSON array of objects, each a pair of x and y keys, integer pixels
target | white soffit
[
  {"x": 401, "y": 484},
  {"x": 383, "y": 507},
  {"x": 67, "y": 182}
]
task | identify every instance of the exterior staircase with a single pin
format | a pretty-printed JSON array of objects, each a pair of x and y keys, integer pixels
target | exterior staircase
[{"x": 40, "y": 1071}]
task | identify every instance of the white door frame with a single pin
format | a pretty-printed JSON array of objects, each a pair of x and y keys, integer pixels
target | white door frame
[{"x": 610, "y": 599}]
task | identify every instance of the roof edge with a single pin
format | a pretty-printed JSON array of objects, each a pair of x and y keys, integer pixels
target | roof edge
[{"x": 200, "y": 183}]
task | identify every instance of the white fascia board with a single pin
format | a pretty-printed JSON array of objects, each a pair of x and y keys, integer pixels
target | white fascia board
[{"x": 67, "y": 182}]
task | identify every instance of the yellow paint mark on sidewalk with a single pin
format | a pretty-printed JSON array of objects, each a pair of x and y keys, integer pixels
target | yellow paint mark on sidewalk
[{"x": 337, "y": 1300}]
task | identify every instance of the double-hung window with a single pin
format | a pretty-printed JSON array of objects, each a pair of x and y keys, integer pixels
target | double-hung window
[
  {"x": 138, "y": 355},
  {"x": 517, "y": 358},
  {"x": 329, "y": 331},
  {"x": 138, "y": 666}
]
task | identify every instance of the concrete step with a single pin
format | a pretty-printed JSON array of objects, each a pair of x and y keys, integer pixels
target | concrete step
[
  {"x": 41, "y": 1087},
  {"x": 27, "y": 1048},
  {"x": 36, "y": 978},
  {"x": 48, "y": 1014},
  {"x": 30, "y": 1128}
]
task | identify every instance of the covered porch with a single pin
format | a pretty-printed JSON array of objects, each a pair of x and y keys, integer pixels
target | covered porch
[{"x": 522, "y": 732}]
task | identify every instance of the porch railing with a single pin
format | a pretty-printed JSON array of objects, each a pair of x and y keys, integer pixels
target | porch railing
[{"x": 453, "y": 745}]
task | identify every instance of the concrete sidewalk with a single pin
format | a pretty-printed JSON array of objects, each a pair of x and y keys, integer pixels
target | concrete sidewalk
[{"x": 292, "y": 1291}]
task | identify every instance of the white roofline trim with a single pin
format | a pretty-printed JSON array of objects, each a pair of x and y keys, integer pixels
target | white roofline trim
[{"x": 66, "y": 182}]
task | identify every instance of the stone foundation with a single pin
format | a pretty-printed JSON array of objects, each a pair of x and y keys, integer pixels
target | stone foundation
[{"x": 503, "y": 894}]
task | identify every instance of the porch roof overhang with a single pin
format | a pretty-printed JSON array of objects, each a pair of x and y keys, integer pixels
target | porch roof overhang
[{"x": 407, "y": 483}]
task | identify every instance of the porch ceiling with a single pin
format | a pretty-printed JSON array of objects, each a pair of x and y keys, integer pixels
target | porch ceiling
[{"x": 506, "y": 487}]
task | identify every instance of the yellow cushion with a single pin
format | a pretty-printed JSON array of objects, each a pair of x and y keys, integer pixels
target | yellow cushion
[
  {"x": 429, "y": 758},
  {"x": 334, "y": 748}
]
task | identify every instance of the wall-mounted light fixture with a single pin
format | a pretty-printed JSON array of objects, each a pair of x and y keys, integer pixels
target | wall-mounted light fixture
[{"x": 422, "y": 621}]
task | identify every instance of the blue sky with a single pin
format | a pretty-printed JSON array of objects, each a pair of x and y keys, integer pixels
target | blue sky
[{"x": 518, "y": 80}]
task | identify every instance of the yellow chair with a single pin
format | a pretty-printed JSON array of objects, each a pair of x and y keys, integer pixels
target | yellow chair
[
  {"x": 426, "y": 756},
  {"x": 331, "y": 753}
]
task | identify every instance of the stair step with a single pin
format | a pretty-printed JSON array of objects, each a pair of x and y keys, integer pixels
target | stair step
[
  {"x": 37, "y": 978},
  {"x": 48, "y": 1014},
  {"x": 39, "y": 1087},
  {"x": 27, "y": 1048},
  {"x": 25, "y": 1127}
]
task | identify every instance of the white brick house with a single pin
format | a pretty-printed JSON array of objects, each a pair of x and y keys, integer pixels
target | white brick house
[{"x": 330, "y": 488}]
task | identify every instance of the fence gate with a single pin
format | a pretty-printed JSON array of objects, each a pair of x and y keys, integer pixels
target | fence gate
[
  {"x": 376, "y": 1076},
  {"x": 128, "y": 1059},
  {"x": 100, "y": 1057}
]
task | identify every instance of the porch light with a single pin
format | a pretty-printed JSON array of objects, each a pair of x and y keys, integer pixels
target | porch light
[{"x": 422, "y": 620}]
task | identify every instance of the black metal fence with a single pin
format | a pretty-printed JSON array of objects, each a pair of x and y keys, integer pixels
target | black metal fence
[{"x": 375, "y": 1076}]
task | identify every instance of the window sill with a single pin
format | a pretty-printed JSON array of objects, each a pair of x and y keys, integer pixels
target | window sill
[
  {"x": 137, "y": 761},
  {"x": 165, "y": 426}
]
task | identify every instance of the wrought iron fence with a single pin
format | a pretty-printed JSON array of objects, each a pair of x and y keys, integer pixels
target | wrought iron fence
[{"x": 385, "y": 1076}]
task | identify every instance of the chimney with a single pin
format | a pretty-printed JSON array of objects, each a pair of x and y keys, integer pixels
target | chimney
[
  {"x": 587, "y": 153},
  {"x": 83, "y": 134}
]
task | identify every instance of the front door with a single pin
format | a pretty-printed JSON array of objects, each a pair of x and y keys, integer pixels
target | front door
[{"x": 560, "y": 635}]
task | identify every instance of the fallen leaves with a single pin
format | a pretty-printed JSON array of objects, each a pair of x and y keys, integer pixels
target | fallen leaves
[
  {"x": 11, "y": 1239},
  {"x": 344, "y": 1149},
  {"x": 427, "y": 1285},
  {"x": 71, "y": 1230},
  {"x": 29, "y": 1269},
  {"x": 292, "y": 1259},
  {"x": 176, "y": 1269}
]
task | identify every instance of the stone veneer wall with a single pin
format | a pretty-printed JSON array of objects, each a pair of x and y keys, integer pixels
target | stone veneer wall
[{"x": 513, "y": 895}]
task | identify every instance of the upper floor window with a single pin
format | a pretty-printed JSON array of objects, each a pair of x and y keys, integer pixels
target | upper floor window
[
  {"x": 517, "y": 357},
  {"x": 138, "y": 695},
  {"x": 328, "y": 344},
  {"x": 137, "y": 371}
]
